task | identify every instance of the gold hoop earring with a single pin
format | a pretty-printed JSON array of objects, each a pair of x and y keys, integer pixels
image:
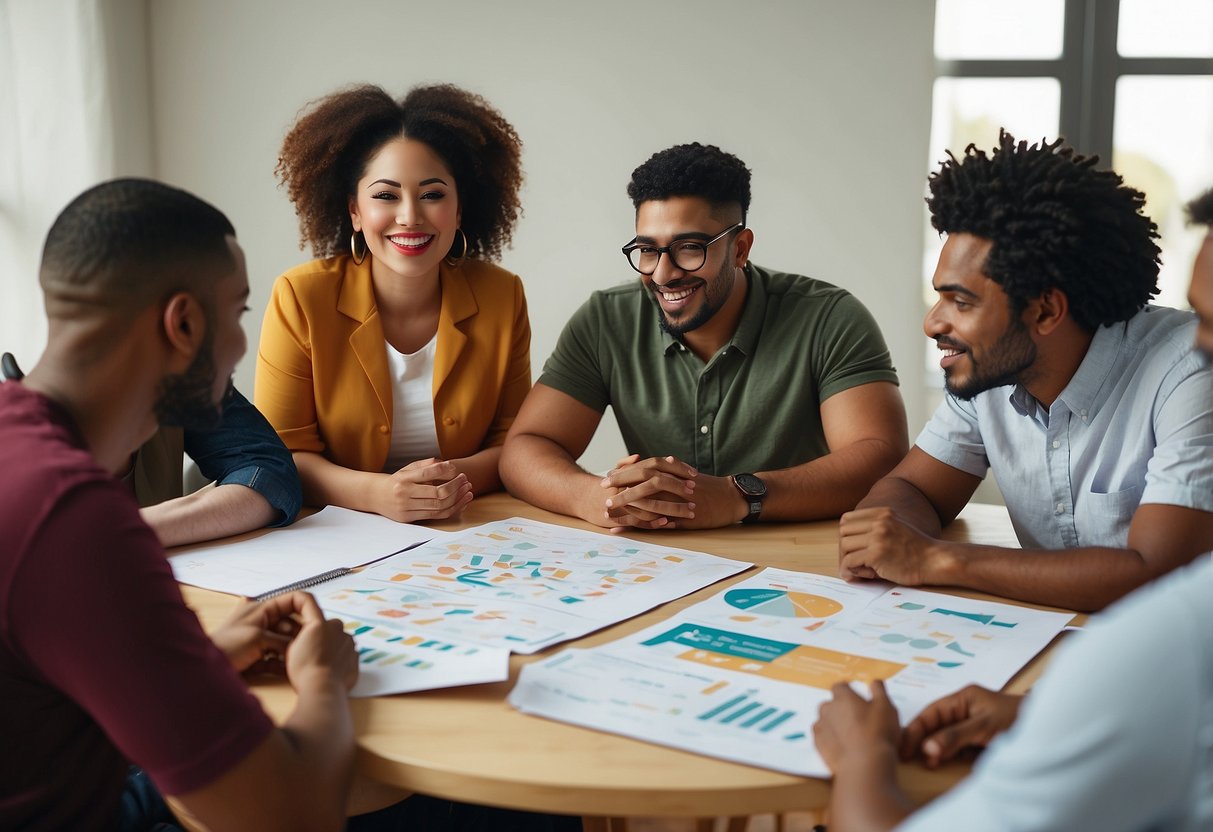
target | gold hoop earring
[
  {"x": 354, "y": 248},
  {"x": 458, "y": 261}
]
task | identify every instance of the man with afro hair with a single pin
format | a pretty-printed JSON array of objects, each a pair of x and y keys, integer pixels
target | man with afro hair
[
  {"x": 1118, "y": 735},
  {"x": 742, "y": 393},
  {"x": 1090, "y": 406}
]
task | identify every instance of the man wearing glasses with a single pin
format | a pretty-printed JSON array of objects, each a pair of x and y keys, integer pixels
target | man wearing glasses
[{"x": 741, "y": 393}]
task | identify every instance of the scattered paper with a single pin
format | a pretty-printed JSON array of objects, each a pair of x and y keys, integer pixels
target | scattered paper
[
  {"x": 741, "y": 675},
  {"x": 520, "y": 584},
  {"x": 402, "y": 661},
  {"x": 330, "y": 539}
]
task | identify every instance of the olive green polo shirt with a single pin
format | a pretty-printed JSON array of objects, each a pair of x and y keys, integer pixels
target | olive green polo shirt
[{"x": 755, "y": 406}]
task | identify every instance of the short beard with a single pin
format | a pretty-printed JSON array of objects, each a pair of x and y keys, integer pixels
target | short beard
[
  {"x": 185, "y": 400},
  {"x": 1009, "y": 356},
  {"x": 715, "y": 295}
]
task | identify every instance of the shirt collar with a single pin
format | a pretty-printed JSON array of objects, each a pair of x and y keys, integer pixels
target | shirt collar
[
  {"x": 1080, "y": 395},
  {"x": 1102, "y": 357}
]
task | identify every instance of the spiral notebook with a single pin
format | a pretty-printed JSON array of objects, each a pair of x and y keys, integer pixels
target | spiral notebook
[
  {"x": 315, "y": 580},
  {"x": 330, "y": 543}
]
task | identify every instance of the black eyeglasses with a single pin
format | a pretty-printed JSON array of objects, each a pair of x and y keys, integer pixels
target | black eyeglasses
[{"x": 688, "y": 255}]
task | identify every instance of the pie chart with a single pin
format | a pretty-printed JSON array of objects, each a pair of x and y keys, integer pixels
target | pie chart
[{"x": 782, "y": 604}]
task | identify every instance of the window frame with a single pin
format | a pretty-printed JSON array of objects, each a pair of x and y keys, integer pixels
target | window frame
[{"x": 1087, "y": 71}]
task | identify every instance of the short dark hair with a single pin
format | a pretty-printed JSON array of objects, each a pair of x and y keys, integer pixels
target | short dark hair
[
  {"x": 1200, "y": 210},
  {"x": 327, "y": 150},
  {"x": 129, "y": 242},
  {"x": 695, "y": 169},
  {"x": 1055, "y": 221}
]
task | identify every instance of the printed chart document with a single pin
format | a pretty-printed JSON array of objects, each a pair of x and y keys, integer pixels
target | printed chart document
[
  {"x": 519, "y": 585},
  {"x": 741, "y": 675},
  {"x": 333, "y": 539},
  {"x": 406, "y": 660}
]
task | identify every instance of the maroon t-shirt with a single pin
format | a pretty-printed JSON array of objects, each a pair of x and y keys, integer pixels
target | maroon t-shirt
[{"x": 101, "y": 662}]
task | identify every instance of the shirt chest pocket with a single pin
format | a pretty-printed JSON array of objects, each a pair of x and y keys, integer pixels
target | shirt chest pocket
[{"x": 1116, "y": 503}]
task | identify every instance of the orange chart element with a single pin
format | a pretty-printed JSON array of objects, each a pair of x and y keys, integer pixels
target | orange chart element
[{"x": 814, "y": 667}]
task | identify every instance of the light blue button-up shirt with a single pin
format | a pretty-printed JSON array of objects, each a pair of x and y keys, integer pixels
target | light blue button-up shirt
[
  {"x": 1117, "y": 735},
  {"x": 1134, "y": 425}
]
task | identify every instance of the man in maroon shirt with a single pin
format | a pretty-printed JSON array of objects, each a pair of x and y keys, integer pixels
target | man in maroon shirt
[{"x": 101, "y": 663}]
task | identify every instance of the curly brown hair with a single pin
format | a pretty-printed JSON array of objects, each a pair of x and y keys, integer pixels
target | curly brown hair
[{"x": 326, "y": 151}]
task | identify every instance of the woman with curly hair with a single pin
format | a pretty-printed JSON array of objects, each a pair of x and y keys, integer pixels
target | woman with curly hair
[{"x": 393, "y": 366}]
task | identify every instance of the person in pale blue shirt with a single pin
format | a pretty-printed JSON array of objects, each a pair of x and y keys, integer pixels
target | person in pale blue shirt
[
  {"x": 1117, "y": 736},
  {"x": 1090, "y": 407}
]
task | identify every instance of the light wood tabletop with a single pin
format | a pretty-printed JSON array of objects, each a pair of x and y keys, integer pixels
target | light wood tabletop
[{"x": 468, "y": 744}]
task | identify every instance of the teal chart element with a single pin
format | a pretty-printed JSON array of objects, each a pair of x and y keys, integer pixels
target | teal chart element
[
  {"x": 723, "y": 642},
  {"x": 926, "y": 644},
  {"x": 746, "y": 712},
  {"x": 980, "y": 618},
  {"x": 782, "y": 604}
]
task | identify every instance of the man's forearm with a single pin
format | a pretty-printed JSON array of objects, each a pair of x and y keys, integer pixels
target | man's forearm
[
  {"x": 1084, "y": 579},
  {"x": 209, "y": 513},
  {"x": 542, "y": 473},
  {"x": 321, "y": 734},
  {"x": 829, "y": 485},
  {"x": 865, "y": 796},
  {"x": 298, "y": 778},
  {"x": 910, "y": 504}
]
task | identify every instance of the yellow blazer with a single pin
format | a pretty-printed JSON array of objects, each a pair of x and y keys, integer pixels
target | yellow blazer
[{"x": 322, "y": 372}]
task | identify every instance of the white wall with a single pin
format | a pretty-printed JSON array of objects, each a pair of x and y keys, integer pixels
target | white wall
[{"x": 828, "y": 103}]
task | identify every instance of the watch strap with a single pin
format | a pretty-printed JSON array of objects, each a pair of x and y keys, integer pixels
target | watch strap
[{"x": 753, "y": 494}]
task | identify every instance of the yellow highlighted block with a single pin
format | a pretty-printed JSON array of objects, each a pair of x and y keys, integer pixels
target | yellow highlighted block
[
  {"x": 813, "y": 606},
  {"x": 813, "y": 667}
]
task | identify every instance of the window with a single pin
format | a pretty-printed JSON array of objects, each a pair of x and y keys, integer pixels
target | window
[{"x": 1128, "y": 80}]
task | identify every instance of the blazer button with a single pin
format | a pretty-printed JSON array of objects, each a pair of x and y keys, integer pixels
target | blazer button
[
  {"x": 448, "y": 421},
  {"x": 383, "y": 428}
]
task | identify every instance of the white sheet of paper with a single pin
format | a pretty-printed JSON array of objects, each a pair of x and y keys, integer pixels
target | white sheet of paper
[
  {"x": 520, "y": 584},
  {"x": 402, "y": 661},
  {"x": 741, "y": 675},
  {"x": 329, "y": 539}
]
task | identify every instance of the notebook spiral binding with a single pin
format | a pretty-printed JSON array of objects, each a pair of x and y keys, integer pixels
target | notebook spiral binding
[{"x": 306, "y": 583}]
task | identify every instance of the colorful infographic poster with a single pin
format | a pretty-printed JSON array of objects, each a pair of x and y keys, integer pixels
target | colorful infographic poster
[
  {"x": 742, "y": 674},
  {"x": 520, "y": 584}
]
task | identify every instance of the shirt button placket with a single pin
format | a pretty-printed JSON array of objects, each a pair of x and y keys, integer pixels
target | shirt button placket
[
  {"x": 704, "y": 417},
  {"x": 1057, "y": 459}
]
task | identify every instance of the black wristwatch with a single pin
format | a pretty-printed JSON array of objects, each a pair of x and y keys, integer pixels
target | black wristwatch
[{"x": 754, "y": 490}]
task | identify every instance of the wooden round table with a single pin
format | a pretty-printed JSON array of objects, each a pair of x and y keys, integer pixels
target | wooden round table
[{"x": 468, "y": 744}]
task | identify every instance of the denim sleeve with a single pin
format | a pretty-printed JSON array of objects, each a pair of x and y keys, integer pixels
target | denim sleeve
[{"x": 244, "y": 449}]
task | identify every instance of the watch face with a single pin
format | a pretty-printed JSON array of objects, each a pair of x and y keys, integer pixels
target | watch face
[{"x": 750, "y": 485}]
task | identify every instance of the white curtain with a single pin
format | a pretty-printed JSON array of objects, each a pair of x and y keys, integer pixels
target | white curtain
[{"x": 73, "y": 112}]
